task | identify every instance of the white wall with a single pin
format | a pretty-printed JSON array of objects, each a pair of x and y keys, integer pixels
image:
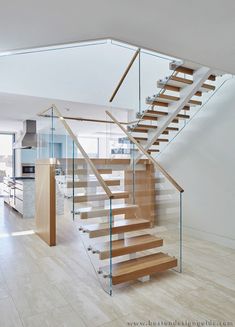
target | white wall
[
  {"x": 195, "y": 30},
  {"x": 86, "y": 74},
  {"x": 202, "y": 160}
]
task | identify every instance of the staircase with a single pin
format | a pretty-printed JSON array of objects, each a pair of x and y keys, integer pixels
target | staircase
[
  {"x": 121, "y": 229},
  {"x": 178, "y": 98}
]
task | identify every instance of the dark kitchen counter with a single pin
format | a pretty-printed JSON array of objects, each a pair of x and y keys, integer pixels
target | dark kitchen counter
[{"x": 16, "y": 178}]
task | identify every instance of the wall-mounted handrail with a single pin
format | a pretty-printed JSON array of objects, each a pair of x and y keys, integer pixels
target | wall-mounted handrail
[
  {"x": 124, "y": 75},
  {"x": 139, "y": 146},
  {"x": 83, "y": 152}
]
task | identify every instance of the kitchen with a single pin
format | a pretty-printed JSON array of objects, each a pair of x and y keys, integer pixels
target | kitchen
[{"x": 18, "y": 183}]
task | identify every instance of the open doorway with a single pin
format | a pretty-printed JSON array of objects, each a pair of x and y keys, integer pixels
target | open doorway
[{"x": 6, "y": 157}]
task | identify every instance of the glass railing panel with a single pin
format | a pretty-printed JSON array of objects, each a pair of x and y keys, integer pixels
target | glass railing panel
[
  {"x": 169, "y": 202},
  {"x": 81, "y": 198},
  {"x": 188, "y": 115},
  {"x": 140, "y": 85},
  {"x": 93, "y": 217},
  {"x": 141, "y": 182}
]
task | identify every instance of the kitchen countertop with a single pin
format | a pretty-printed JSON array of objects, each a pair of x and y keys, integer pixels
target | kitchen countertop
[{"x": 22, "y": 178}]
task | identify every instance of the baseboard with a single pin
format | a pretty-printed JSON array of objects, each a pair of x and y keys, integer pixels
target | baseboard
[{"x": 227, "y": 242}]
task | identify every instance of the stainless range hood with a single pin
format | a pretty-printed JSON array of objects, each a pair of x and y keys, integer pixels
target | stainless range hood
[{"x": 28, "y": 138}]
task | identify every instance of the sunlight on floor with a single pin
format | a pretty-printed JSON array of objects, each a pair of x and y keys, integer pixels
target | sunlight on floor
[{"x": 26, "y": 232}]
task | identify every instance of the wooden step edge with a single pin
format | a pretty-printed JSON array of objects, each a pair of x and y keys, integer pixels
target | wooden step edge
[
  {"x": 97, "y": 213},
  {"x": 212, "y": 77},
  {"x": 171, "y": 88},
  {"x": 104, "y": 229},
  {"x": 127, "y": 246},
  {"x": 145, "y": 131},
  {"x": 86, "y": 172},
  {"x": 85, "y": 184},
  {"x": 184, "y": 70},
  {"x": 98, "y": 197},
  {"x": 190, "y": 71},
  {"x": 174, "y": 129},
  {"x": 146, "y": 139},
  {"x": 157, "y": 103},
  {"x": 208, "y": 86},
  {"x": 153, "y": 150},
  {"x": 162, "y": 140},
  {"x": 163, "y": 113},
  {"x": 198, "y": 93},
  {"x": 195, "y": 102},
  {"x": 168, "y": 97},
  {"x": 181, "y": 80},
  {"x": 135, "y": 268}
]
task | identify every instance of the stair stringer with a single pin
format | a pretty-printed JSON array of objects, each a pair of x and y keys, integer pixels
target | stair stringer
[{"x": 199, "y": 77}]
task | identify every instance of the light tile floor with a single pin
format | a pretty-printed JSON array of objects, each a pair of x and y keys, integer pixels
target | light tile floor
[{"x": 54, "y": 287}]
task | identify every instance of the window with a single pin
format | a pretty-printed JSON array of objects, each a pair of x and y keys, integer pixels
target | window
[{"x": 6, "y": 158}]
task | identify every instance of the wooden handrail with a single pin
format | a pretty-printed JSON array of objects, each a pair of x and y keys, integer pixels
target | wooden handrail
[
  {"x": 43, "y": 114},
  {"x": 124, "y": 75},
  {"x": 139, "y": 146},
  {"x": 83, "y": 152}
]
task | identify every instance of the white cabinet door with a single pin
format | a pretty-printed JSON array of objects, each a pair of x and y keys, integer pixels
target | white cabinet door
[{"x": 19, "y": 205}]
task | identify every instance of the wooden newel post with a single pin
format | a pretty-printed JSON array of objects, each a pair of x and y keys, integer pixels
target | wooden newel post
[{"x": 45, "y": 211}]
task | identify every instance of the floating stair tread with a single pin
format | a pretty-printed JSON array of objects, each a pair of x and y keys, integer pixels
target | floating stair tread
[
  {"x": 86, "y": 172},
  {"x": 188, "y": 71},
  {"x": 136, "y": 130},
  {"x": 174, "y": 88},
  {"x": 118, "y": 227},
  {"x": 139, "y": 267},
  {"x": 153, "y": 150},
  {"x": 92, "y": 183},
  {"x": 155, "y": 102},
  {"x": 175, "y": 129},
  {"x": 182, "y": 82},
  {"x": 140, "y": 126},
  {"x": 117, "y": 209},
  {"x": 127, "y": 245},
  {"x": 168, "y": 97},
  {"x": 195, "y": 102},
  {"x": 149, "y": 113},
  {"x": 99, "y": 196},
  {"x": 168, "y": 87}
]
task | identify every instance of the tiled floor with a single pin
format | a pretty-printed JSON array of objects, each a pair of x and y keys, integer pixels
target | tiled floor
[{"x": 42, "y": 286}]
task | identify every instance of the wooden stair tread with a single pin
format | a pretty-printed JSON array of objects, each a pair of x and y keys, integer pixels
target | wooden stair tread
[
  {"x": 158, "y": 103},
  {"x": 182, "y": 81},
  {"x": 175, "y": 129},
  {"x": 168, "y": 97},
  {"x": 153, "y": 150},
  {"x": 117, "y": 209},
  {"x": 118, "y": 227},
  {"x": 147, "y": 126},
  {"x": 195, "y": 102},
  {"x": 190, "y": 71},
  {"x": 149, "y": 113},
  {"x": 139, "y": 267},
  {"x": 127, "y": 245},
  {"x": 141, "y": 130},
  {"x": 154, "y": 127},
  {"x": 92, "y": 183},
  {"x": 87, "y": 172},
  {"x": 99, "y": 196},
  {"x": 145, "y": 139}
]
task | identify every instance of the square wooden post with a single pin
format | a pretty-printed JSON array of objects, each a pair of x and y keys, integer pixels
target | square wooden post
[{"x": 45, "y": 211}]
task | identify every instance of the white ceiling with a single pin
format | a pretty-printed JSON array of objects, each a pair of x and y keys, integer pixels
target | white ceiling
[
  {"x": 200, "y": 31},
  {"x": 15, "y": 108},
  {"x": 87, "y": 74}
]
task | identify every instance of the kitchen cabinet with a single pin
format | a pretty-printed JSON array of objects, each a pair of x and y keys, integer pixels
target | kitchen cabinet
[{"x": 20, "y": 195}]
